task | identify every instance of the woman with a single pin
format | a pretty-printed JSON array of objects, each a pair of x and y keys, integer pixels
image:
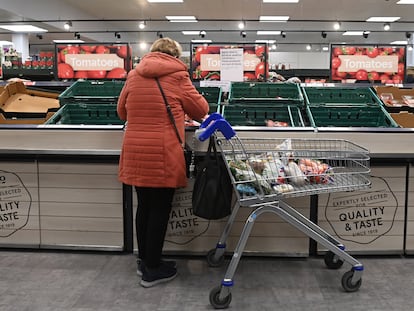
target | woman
[{"x": 152, "y": 157}]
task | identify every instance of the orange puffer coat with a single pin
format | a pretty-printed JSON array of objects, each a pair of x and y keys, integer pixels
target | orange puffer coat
[{"x": 151, "y": 153}]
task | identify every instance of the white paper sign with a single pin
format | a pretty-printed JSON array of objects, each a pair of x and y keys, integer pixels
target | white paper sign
[{"x": 231, "y": 64}]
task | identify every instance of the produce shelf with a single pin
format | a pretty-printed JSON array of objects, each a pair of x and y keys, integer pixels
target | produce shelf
[
  {"x": 92, "y": 92},
  {"x": 258, "y": 113},
  {"x": 345, "y": 107},
  {"x": 243, "y": 92},
  {"x": 86, "y": 114},
  {"x": 213, "y": 95}
]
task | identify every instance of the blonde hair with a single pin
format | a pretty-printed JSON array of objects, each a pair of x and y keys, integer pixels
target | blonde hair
[{"x": 168, "y": 46}]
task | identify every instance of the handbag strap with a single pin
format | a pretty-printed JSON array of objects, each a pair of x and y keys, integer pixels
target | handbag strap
[
  {"x": 212, "y": 150},
  {"x": 170, "y": 115}
]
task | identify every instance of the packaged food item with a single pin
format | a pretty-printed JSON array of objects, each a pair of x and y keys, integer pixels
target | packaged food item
[{"x": 408, "y": 100}]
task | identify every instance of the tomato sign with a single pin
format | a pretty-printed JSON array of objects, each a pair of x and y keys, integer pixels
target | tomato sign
[
  {"x": 385, "y": 64},
  {"x": 207, "y": 62},
  {"x": 85, "y": 61}
]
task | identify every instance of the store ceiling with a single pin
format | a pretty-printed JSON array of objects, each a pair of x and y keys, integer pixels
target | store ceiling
[{"x": 98, "y": 20}]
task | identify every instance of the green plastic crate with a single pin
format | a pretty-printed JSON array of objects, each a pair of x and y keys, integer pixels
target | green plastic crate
[
  {"x": 213, "y": 96},
  {"x": 337, "y": 96},
  {"x": 350, "y": 117},
  {"x": 283, "y": 93},
  {"x": 345, "y": 107},
  {"x": 86, "y": 114},
  {"x": 257, "y": 114},
  {"x": 92, "y": 92}
]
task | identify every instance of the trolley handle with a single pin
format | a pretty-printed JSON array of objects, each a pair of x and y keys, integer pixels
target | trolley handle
[{"x": 214, "y": 122}]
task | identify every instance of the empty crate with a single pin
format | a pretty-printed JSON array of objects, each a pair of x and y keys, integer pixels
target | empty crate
[
  {"x": 345, "y": 107},
  {"x": 242, "y": 92},
  {"x": 213, "y": 97},
  {"x": 92, "y": 92},
  {"x": 255, "y": 104},
  {"x": 86, "y": 114}
]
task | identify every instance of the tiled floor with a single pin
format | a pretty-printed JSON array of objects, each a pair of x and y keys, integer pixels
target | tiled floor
[{"x": 54, "y": 281}]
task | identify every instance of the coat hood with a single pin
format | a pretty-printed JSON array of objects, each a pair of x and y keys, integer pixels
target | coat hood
[{"x": 157, "y": 64}]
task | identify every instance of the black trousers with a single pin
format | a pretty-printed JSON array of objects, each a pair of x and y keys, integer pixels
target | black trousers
[{"x": 151, "y": 221}]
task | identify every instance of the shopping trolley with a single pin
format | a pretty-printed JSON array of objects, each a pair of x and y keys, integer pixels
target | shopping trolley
[{"x": 265, "y": 171}]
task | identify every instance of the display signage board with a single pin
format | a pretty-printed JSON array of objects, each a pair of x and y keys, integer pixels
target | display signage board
[
  {"x": 92, "y": 61},
  {"x": 368, "y": 63},
  {"x": 226, "y": 62}
]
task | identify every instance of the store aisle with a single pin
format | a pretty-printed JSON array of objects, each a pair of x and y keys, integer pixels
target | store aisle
[{"x": 61, "y": 281}]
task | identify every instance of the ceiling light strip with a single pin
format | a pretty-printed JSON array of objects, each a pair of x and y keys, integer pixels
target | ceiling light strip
[
  {"x": 280, "y": 1},
  {"x": 273, "y": 19},
  {"x": 383, "y": 19}
]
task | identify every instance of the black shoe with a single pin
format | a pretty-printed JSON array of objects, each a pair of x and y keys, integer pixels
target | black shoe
[
  {"x": 140, "y": 265},
  {"x": 162, "y": 274}
]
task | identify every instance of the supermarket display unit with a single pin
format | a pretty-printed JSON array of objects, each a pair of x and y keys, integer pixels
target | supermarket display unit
[{"x": 53, "y": 164}]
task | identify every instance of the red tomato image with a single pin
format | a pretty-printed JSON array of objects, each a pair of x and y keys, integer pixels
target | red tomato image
[
  {"x": 336, "y": 62},
  {"x": 373, "y": 76},
  {"x": 249, "y": 52},
  {"x": 360, "y": 51},
  {"x": 350, "y": 50},
  {"x": 341, "y": 74},
  {"x": 88, "y": 48},
  {"x": 199, "y": 51},
  {"x": 361, "y": 74},
  {"x": 397, "y": 79},
  {"x": 260, "y": 70},
  {"x": 200, "y": 74},
  {"x": 213, "y": 49},
  {"x": 214, "y": 76},
  {"x": 372, "y": 52},
  {"x": 122, "y": 51},
  {"x": 249, "y": 76},
  {"x": 96, "y": 74},
  {"x": 384, "y": 78},
  {"x": 388, "y": 51},
  {"x": 68, "y": 50},
  {"x": 117, "y": 73},
  {"x": 352, "y": 74},
  {"x": 260, "y": 51},
  {"x": 338, "y": 51},
  {"x": 65, "y": 71},
  {"x": 101, "y": 49},
  {"x": 81, "y": 74},
  {"x": 401, "y": 69}
]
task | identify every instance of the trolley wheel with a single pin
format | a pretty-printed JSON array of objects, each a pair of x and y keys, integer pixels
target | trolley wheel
[
  {"x": 215, "y": 300},
  {"x": 347, "y": 282},
  {"x": 332, "y": 261},
  {"x": 212, "y": 261}
]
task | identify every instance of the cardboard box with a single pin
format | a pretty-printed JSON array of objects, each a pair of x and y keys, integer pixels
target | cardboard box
[
  {"x": 400, "y": 96},
  {"x": 404, "y": 119},
  {"x": 19, "y": 105}
]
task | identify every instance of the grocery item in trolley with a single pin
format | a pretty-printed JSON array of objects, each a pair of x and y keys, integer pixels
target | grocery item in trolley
[
  {"x": 266, "y": 168},
  {"x": 278, "y": 171}
]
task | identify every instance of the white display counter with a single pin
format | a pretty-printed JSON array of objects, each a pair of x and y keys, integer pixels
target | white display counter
[{"x": 76, "y": 201}]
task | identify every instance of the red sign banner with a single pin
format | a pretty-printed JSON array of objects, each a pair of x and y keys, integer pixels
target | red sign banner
[
  {"x": 385, "y": 64},
  {"x": 86, "y": 61}
]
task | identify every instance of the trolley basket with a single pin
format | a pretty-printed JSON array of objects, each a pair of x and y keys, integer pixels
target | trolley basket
[{"x": 265, "y": 171}]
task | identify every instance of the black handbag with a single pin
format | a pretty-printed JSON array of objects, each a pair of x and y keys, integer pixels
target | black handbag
[{"x": 213, "y": 191}]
